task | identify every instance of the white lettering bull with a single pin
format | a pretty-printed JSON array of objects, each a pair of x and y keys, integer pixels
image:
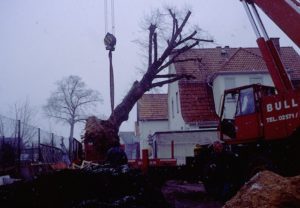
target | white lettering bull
[{"x": 281, "y": 105}]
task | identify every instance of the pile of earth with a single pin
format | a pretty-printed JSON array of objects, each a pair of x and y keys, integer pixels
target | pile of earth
[
  {"x": 267, "y": 189},
  {"x": 103, "y": 187}
]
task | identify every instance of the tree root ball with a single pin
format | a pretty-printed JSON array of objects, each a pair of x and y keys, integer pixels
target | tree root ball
[{"x": 102, "y": 135}]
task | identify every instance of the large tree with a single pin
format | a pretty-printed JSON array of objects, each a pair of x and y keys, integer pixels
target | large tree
[
  {"x": 71, "y": 102},
  {"x": 104, "y": 133}
]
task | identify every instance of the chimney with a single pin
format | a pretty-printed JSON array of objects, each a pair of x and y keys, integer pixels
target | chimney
[
  {"x": 224, "y": 51},
  {"x": 276, "y": 43}
]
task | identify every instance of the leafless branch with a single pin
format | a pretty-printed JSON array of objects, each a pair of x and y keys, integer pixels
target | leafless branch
[
  {"x": 155, "y": 46},
  {"x": 177, "y": 53},
  {"x": 190, "y": 37},
  {"x": 151, "y": 33},
  {"x": 165, "y": 76},
  {"x": 176, "y": 78}
]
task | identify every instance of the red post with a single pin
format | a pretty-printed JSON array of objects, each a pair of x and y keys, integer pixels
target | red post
[
  {"x": 145, "y": 159},
  {"x": 172, "y": 149}
]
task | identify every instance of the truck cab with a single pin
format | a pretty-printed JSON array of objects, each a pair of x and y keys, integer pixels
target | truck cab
[{"x": 241, "y": 113}]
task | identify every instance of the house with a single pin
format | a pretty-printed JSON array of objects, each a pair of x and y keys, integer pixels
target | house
[
  {"x": 194, "y": 105},
  {"x": 131, "y": 144},
  {"x": 152, "y": 116}
]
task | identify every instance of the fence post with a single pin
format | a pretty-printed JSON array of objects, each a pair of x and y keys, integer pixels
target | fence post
[
  {"x": 172, "y": 149},
  {"x": 71, "y": 149},
  {"x": 19, "y": 144},
  {"x": 155, "y": 148},
  {"x": 52, "y": 145},
  {"x": 39, "y": 145},
  {"x": 32, "y": 152},
  {"x": 52, "y": 139},
  {"x": 145, "y": 161}
]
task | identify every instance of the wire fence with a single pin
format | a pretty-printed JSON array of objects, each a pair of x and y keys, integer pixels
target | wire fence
[{"x": 22, "y": 143}]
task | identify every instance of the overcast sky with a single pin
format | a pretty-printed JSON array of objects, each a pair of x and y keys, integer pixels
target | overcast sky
[{"x": 42, "y": 41}]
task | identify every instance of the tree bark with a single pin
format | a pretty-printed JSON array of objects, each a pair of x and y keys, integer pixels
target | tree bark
[{"x": 72, "y": 124}]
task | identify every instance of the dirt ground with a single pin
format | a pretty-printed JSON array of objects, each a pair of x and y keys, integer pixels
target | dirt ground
[
  {"x": 181, "y": 194},
  {"x": 105, "y": 187}
]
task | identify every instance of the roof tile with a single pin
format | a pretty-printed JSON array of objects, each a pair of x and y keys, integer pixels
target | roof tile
[{"x": 153, "y": 107}]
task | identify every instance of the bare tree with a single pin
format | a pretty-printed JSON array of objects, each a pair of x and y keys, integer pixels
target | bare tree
[
  {"x": 26, "y": 114},
  {"x": 71, "y": 102},
  {"x": 104, "y": 133}
]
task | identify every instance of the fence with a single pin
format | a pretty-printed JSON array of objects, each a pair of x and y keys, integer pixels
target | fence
[{"x": 21, "y": 143}]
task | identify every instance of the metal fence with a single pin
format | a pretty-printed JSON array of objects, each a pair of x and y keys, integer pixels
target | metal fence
[{"x": 21, "y": 143}]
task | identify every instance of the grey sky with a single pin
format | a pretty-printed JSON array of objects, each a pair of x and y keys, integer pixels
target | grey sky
[{"x": 42, "y": 41}]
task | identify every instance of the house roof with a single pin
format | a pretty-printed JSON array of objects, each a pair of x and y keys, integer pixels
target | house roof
[
  {"x": 196, "y": 97},
  {"x": 153, "y": 107},
  {"x": 218, "y": 59}
]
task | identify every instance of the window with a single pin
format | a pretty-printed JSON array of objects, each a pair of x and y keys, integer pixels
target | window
[
  {"x": 177, "y": 102},
  {"x": 230, "y": 105},
  {"x": 246, "y": 104},
  {"x": 229, "y": 82},
  {"x": 255, "y": 80}
]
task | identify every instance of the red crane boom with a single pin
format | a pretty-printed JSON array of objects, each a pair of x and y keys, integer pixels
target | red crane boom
[{"x": 284, "y": 13}]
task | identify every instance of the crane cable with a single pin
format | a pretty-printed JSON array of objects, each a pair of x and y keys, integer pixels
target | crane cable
[
  {"x": 112, "y": 9},
  {"x": 110, "y": 42}
]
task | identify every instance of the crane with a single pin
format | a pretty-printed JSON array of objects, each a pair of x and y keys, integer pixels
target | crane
[{"x": 259, "y": 125}]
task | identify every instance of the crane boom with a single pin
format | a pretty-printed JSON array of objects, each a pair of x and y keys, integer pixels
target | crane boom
[
  {"x": 268, "y": 50},
  {"x": 284, "y": 13}
]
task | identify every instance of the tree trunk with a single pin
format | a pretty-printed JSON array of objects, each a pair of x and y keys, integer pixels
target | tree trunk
[
  {"x": 121, "y": 112},
  {"x": 72, "y": 124},
  {"x": 104, "y": 133}
]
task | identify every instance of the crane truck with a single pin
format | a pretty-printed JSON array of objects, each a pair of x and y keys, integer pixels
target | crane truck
[{"x": 259, "y": 125}]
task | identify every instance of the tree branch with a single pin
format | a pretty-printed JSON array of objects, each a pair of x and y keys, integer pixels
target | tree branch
[
  {"x": 155, "y": 46},
  {"x": 165, "y": 76},
  {"x": 186, "y": 60},
  {"x": 178, "y": 77},
  {"x": 178, "y": 30},
  {"x": 178, "y": 52},
  {"x": 175, "y": 22},
  {"x": 59, "y": 117},
  {"x": 187, "y": 38},
  {"x": 151, "y": 33},
  {"x": 202, "y": 40}
]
